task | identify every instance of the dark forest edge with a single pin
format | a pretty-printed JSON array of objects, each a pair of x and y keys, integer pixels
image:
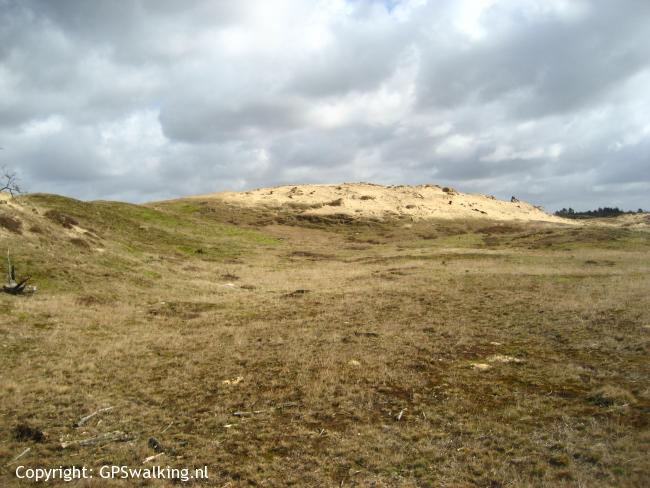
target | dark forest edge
[{"x": 592, "y": 214}]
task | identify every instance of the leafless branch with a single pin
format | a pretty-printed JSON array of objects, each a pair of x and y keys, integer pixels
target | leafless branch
[{"x": 9, "y": 182}]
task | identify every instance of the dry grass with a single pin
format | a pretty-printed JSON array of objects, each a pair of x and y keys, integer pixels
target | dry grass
[{"x": 387, "y": 326}]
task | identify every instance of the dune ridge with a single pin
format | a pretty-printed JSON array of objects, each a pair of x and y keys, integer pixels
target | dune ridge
[{"x": 368, "y": 200}]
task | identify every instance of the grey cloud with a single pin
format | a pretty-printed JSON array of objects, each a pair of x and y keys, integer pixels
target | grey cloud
[
  {"x": 542, "y": 65},
  {"x": 630, "y": 164},
  {"x": 359, "y": 58},
  {"x": 56, "y": 158},
  {"x": 316, "y": 150},
  {"x": 207, "y": 120},
  {"x": 49, "y": 71},
  {"x": 134, "y": 31}
]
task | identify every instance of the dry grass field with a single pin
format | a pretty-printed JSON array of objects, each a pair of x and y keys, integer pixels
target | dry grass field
[{"x": 285, "y": 350}]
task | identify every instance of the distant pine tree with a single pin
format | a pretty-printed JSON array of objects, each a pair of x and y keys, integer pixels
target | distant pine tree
[{"x": 590, "y": 214}]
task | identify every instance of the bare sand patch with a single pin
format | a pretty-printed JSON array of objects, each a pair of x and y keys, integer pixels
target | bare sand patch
[{"x": 377, "y": 201}]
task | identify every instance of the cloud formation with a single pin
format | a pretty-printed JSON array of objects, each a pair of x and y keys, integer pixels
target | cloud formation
[{"x": 150, "y": 99}]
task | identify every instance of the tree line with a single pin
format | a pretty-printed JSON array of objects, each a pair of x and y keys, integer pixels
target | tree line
[{"x": 569, "y": 213}]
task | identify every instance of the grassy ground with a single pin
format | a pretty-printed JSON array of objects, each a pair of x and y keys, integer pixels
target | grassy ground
[{"x": 355, "y": 353}]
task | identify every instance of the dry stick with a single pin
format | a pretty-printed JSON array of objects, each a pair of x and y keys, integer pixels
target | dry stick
[
  {"x": 9, "y": 269},
  {"x": 85, "y": 419},
  {"x": 244, "y": 414},
  {"x": 167, "y": 428},
  {"x": 151, "y": 458},
  {"x": 277, "y": 407},
  {"x": 19, "y": 456},
  {"x": 115, "y": 436}
]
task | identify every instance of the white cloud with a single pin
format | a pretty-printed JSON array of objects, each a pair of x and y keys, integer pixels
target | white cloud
[
  {"x": 390, "y": 103},
  {"x": 37, "y": 128},
  {"x": 468, "y": 18},
  {"x": 136, "y": 139},
  {"x": 456, "y": 146},
  {"x": 504, "y": 152}
]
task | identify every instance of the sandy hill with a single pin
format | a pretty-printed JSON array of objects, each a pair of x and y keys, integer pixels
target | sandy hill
[{"x": 377, "y": 201}]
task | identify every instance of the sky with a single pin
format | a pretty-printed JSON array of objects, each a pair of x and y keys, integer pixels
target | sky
[{"x": 142, "y": 100}]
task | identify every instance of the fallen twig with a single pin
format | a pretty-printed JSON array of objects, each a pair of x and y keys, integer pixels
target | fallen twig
[
  {"x": 19, "y": 456},
  {"x": 284, "y": 405},
  {"x": 106, "y": 438},
  {"x": 246, "y": 414},
  {"x": 167, "y": 428},
  {"x": 85, "y": 419},
  {"x": 14, "y": 287},
  {"x": 240, "y": 413},
  {"x": 151, "y": 458}
]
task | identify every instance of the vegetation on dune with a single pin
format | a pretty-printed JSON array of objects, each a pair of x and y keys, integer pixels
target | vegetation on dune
[
  {"x": 325, "y": 351},
  {"x": 64, "y": 242}
]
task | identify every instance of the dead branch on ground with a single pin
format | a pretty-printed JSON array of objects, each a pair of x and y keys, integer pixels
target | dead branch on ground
[{"x": 12, "y": 286}]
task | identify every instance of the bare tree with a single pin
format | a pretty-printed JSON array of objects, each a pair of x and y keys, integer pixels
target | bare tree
[{"x": 9, "y": 182}]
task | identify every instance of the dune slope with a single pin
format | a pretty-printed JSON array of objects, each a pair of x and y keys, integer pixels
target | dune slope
[{"x": 377, "y": 201}]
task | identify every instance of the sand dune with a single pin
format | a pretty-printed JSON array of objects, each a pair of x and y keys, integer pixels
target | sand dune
[{"x": 377, "y": 201}]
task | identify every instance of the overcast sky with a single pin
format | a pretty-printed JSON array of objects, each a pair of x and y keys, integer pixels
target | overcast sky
[{"x": 548, "y": 100}]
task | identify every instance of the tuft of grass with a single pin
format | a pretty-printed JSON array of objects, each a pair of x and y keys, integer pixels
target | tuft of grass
[{"x": 12, "y": 224}]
